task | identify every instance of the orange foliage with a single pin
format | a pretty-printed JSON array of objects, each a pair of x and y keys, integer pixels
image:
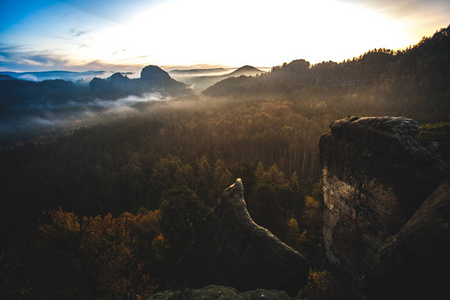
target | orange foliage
[{"x": 100, "y": 249}]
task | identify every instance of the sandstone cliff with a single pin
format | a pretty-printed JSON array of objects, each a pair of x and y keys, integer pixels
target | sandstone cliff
[
  {"x": 376, "y": 173},
  {"x": 413, "y": 264},
  {"x": 231, "y": 249}
]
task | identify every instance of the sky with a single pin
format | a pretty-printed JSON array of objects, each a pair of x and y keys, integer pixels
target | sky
[{"x": 125, "y": 35}]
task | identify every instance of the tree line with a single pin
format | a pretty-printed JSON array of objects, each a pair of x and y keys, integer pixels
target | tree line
[{"x": 412, "y": 82}]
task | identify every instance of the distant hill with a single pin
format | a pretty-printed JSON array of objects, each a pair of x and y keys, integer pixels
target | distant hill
[
  {"x": 50, "y": 75},
  {"x": 6, "y": 77},
  {"x": 209, "y": 77},
  {"x": 246, "y": 71}
]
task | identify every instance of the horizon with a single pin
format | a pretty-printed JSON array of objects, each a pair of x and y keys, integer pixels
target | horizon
[{"x": 79, "y": 35}]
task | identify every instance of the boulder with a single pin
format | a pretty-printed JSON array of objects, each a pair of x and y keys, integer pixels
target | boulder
[{"x": 231, "y": 249}]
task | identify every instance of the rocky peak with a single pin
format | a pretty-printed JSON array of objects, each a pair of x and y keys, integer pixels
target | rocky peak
[
  {"x": 231, "y": 249},
  {"x": 376, "y": 173},
  {"x": 154, "y": 74},
  {"x": 118, "y": 77}
]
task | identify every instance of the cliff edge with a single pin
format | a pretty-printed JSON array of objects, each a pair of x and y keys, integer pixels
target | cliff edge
[{"x": 376, "y": 173}]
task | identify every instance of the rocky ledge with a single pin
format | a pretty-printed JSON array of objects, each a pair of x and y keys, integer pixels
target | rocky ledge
[{"x": 231, "y": 249}]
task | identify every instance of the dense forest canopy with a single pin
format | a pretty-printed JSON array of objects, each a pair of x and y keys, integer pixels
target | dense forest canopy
[{"x": 142, "y": 182}]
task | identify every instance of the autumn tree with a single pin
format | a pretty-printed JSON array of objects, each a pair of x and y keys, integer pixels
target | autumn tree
[{"x": 89, "y": 257}]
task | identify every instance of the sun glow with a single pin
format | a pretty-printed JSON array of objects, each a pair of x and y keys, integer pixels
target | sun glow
[
  {"x": 233, "y": 32},
  {"x": 249, "y": 32}
]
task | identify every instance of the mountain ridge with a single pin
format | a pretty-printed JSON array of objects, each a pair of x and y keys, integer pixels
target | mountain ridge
[{"x": 205, "y": 81}]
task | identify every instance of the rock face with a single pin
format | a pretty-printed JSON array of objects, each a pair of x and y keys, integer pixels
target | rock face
[
  {"x": 413, "y": 264},
  {"x": 232, "y": 250},
  {"x": 376, "y": 173},
  {"x": 220, "y": 292}
]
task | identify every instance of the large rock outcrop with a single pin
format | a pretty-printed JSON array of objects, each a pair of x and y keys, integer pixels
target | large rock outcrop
[
  {"x": 413, "y": 264},
  {"x": 231, "y": 249},
  {"x": 376, "y": 173}
]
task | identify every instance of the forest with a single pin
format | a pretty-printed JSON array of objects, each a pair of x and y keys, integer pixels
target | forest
[{"x": 103, "y": 211}]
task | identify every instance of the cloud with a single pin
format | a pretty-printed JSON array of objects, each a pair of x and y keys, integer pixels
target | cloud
[
  {"x": 22, "y": 58},
  {"x": 128, "y": 101},
  {"x": 417, "y": 9},
  {"x": 102, "y": 65},
  {"x": 71, "y": 41},
  {"x": 8, "y": 51},
  {"x": 45, "y": 58},
  {"x": 19, "y": 57},
  {"x": 420, "y": 17},
  {"x": 77, "y": 33},
  {"x": 114, "y": 11},
  {"x": 73, "y": 37},
  {"x": 29, "y": 77},
  {"x": 119, "y": 51}
]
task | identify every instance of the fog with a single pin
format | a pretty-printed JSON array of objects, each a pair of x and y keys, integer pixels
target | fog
[
  {"x": 64, "y": 75},
  {"x": 45, "y": 118},
  {"x": 181, "y": 74}
]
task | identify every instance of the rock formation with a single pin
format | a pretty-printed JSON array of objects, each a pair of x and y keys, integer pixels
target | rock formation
[
  {"x": 231, "y": 249},
  {"x": 155, "y": 75},
  {"x": 220, "y": 292},
  {"x": 413, "y": 264},
  {"x": 376, "y": 173},
  {"x": 153, "y": 79}
]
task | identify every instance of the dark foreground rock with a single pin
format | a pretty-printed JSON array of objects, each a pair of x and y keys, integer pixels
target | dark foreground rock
[
  {"x": 220, "y": 292},
  {"x": 231, "y": 249},
  {"x": 376, "y": 173},
  {"x": 414, "y": 263}
]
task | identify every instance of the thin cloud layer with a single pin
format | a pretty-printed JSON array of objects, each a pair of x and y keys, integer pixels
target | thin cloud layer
[
  {"x": 433, "y": 12},
  {"x": 16, "y": 57},
  {"x": 22, "y": 58}
]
